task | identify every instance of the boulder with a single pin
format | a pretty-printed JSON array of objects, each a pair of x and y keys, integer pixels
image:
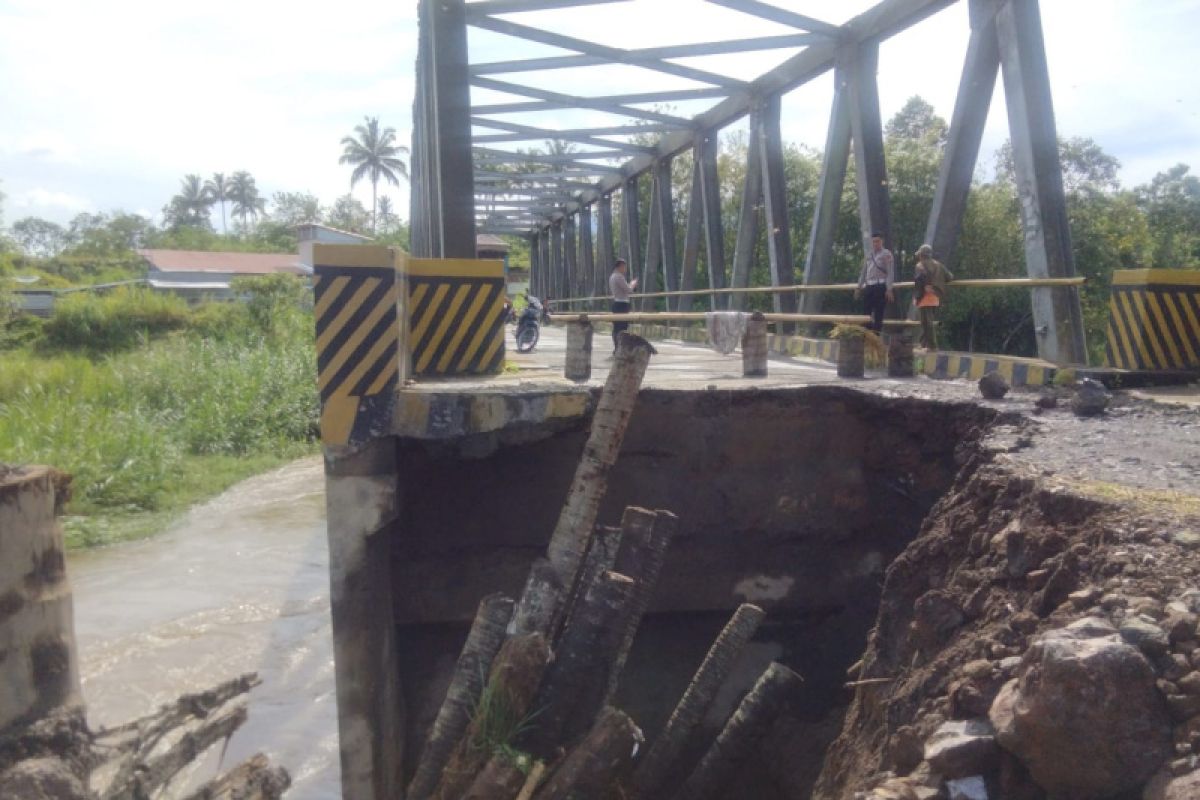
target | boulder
[
  {"x": 904, "y": 749},
  {"x": 1046, "y": 400},
  {"x": 1090, "y": 628},
  {"x": 1091, "y": 398},
  {"x": 1165, "y": 786},
  {"x": 972, "y": 788},
  {"x": 961, "y": 748},
  {"x": 1084, "y": 716},
  {"x": 1145, "y": 636},
  {"x": 993, "y": 386}
]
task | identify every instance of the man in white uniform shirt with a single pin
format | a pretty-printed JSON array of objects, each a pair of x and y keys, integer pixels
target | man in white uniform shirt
[
  {"x": 621, "y": 288},
  {"x": 875, "y": 282}
]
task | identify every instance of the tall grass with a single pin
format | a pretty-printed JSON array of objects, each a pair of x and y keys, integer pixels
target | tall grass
[
  {"x": 118, "y": 320},
  {"x": 148, "y": 429}
]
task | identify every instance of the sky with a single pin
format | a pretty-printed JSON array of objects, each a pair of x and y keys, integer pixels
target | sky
[{"x": 106, "y": 106}]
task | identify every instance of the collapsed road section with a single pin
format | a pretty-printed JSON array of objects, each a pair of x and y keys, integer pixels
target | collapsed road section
[{"x": 919, "y": 562}]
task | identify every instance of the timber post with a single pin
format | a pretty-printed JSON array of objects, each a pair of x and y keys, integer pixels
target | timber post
[
  {"x": 579, "y": 350},
  {"x": 754, "y": 347}
]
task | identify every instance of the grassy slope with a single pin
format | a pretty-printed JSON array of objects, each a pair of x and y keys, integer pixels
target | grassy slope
[{"x": 148, "y": 431}]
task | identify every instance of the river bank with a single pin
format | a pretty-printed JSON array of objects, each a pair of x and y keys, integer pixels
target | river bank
[{"x": 239, "y": 583}]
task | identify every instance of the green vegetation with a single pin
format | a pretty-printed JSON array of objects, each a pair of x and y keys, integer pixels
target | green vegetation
[
  {"x": 497, "y": 725},
  {"x": 1112, "y": 227},
  {"x": 152, "y": 405}
]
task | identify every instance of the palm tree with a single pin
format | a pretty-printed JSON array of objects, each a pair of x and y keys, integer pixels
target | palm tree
[
  {"x": 190, "y": 206},
  {"x": 386, "y": 212},
  {"x": 218, "y": 190},
  {"x": 246, "y": 200},
  {"x": 374, "y": 154}
]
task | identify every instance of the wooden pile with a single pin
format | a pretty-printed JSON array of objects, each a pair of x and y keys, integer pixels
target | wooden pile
[
  {"x": 528, "y": 714},
  {"x": 139, "y": 759}
]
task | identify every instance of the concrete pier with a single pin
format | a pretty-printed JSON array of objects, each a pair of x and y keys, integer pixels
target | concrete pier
[{"x": 39, "y": 669}]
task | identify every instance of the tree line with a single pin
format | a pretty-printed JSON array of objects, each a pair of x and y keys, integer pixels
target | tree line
[
  {"x": 98, "y": 245},
  {"x": 1156, "y": 224}
]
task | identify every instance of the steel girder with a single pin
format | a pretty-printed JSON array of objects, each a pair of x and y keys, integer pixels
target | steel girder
[{"x": 540, "y": 190}]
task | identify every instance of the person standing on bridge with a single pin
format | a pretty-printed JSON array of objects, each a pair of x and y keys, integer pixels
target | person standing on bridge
[
  {"x": 621, "y": 288},
  {"x": 875, "y": 282},
  {"x": 929, "y": 292}
]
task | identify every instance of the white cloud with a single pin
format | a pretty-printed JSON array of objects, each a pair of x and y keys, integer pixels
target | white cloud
[
  {"x": 138, "y": 93},
  {"x": 33, "y": 202}
]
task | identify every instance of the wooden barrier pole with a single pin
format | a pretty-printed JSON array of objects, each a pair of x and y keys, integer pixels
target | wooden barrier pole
[{"x": 961, "y": 283}]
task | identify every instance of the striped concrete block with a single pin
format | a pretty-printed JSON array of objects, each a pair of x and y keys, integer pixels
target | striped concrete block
[
  {"x": 973, "y": 366},
  {"x": 1154, "y": 320},
  {"x": 358, "y": 334},
  {"x": 454, "y": 316}
]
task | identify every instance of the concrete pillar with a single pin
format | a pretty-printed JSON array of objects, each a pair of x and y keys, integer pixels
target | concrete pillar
[
  {"x": 362, "y": 503},
  {"x": 754, "y": 347},
  {"x": 579, "y": 351},
  {"x": 39, "y": 668}
]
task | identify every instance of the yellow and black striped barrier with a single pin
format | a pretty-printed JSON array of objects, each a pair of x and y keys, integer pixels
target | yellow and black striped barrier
[
  {"x": 1154, "y": 320},
  {"x": 358, "y": 340},
  {"x": 455, "y": 316}
]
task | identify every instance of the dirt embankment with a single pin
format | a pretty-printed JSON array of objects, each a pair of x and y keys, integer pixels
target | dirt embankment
[{"x": 1030, "y": 644}]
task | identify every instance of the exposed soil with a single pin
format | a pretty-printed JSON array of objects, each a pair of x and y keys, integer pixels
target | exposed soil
[{"x": 1004, "y": 557}]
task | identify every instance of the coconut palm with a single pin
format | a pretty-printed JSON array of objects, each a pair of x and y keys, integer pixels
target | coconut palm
[
  {"x": 218, "y": 191},
  {"x": 189, "y": 207},
  {"x": 374, "y": 154},
  {"x": 247, "y": 202}
]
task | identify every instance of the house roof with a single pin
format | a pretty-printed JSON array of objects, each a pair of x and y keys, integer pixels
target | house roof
[
  {"x": 235, "y": 263},
  {"x": 315, "y": 225},
  {"x": 486, "y": 241}
]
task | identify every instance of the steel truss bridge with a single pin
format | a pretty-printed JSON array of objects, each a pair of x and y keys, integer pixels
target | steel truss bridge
[{"x": 468, "y": 177}]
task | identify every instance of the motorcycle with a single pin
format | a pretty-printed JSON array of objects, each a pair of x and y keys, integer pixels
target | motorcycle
[{"x": 528, "y": 324}]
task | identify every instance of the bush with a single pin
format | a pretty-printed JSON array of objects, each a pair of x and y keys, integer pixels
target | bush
[
  {"x": 126, "y": 425},
  {"x": 118, "y": 320},
  {"x": 272, "y": 300}
]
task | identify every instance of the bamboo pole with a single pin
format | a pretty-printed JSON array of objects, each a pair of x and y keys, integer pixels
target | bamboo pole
[
  {"x": 772, "y": 695},
  {"x": 592, "y": 770},
  {"x": 483, "y": 642},
  {"x": 570, "y": 538},
  {"x": 662, "y": 760},
  {"x": 700, "y": 316},
  {"x": 646, "y": 535},
  {"x": 961, "y": 283}
]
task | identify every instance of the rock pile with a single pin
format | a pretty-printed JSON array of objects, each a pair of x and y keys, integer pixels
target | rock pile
[{"x": 1035, "y": 645}]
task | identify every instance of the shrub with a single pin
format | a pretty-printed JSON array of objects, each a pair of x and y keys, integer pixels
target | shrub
[
  {"x": 115, "y": 321},
  {"x": 271, "y": 299}
]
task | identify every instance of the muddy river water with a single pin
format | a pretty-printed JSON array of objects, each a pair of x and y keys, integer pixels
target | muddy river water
[{"x": 239, "y": 584}]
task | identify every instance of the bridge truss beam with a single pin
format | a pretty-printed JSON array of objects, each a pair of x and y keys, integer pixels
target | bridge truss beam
[{"x": 546, "y": 195}]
